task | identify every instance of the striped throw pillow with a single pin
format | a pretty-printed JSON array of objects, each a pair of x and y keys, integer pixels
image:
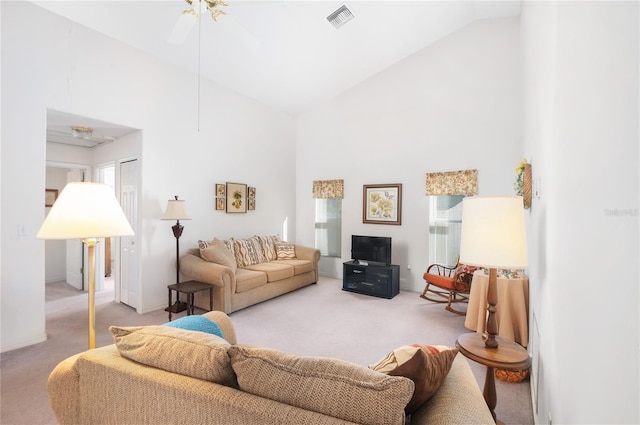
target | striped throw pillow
[{"x": 285, "y": 251}]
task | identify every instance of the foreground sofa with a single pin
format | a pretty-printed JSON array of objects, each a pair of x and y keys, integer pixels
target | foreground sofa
[
  {"x": 172, "y": 380},
  {"x": 248, "y": 271}
]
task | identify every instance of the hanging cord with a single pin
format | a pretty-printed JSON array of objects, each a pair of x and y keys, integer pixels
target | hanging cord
[{"x": 199, "y": 55}]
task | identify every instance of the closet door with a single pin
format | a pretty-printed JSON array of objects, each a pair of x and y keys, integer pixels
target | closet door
[
  {"x": 128, "y": 249},
  {"x": 75, "y": 248}
]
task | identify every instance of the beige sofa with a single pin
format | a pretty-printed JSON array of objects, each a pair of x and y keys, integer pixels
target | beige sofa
[
  {"x": 248, "y": 271},
  {"x": 172, "y": 379}
]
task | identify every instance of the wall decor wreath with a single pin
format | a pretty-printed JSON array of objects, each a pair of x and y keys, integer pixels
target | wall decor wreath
[{"x": 522, "y": 185}]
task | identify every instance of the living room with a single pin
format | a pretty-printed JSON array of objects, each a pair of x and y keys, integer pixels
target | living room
[{"x": 556, "y": 85}]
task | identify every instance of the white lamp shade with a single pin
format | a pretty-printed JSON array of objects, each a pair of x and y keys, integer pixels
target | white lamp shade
[
  {"x": 493, "y": 232},
  {"x": 85, "y": 210},
  {"x": 175, "y": 210}
]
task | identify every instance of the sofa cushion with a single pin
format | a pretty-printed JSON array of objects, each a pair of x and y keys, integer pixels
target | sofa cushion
[
  {"x": 285, "y": 251},
  {"x": 299, "y": 266},
  {"x": 427, "y": 366},
  {"x": 217, "y": 252},
  {"x": 275, "y": 270},
  {"x": 247, "y": 280},
  {"x": 197, "y": 354},
  {"x": 329, "y": 386}
]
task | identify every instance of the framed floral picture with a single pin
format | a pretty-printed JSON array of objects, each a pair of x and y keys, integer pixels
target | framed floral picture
[
  {"x": 220, "y": 190},
  {"x": 251, "y": 204},
  {"x": 382, "y": 204},
  {"x": 220, "y": 203},
  {"x": 252, "y": 192},
  {"x": 236, "y": 197}
]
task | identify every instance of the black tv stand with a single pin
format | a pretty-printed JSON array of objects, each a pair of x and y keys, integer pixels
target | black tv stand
[{"x": 376, "y": 279}]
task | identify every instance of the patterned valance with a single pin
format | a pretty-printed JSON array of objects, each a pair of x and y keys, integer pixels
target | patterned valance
[
  {"x": 451, "y": 183},
  {"x": 328, "y": 189}
]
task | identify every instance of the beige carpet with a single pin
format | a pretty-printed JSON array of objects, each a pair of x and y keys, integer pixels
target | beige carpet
[{"x": 319, "y": 320}]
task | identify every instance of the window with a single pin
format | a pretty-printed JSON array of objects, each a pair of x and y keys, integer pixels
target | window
[
  {"x": 445, "y": 224},
  {"x": 329, "y": 227}
]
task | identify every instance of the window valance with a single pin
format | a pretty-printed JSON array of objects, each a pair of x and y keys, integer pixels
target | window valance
[
  {"x": 328, "y": 189},
  {"x": 450, "y": 183}
]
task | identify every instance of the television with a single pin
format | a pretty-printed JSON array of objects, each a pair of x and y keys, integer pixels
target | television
[{"x": 371, "y": 248}]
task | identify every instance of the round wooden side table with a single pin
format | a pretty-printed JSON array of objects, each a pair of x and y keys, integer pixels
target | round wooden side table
[{"x": 508, "y": 356}]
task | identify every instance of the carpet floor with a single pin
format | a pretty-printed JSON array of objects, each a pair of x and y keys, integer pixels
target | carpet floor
[{"x": 318, "y": 320}]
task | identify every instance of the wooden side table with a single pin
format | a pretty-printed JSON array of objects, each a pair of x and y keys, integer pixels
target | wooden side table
[
  {"x": 189, "y": 288},
  {"x": 508, "y": 356}
]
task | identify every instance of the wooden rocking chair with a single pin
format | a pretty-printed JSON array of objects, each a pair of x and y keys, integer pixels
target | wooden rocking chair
[{"x": 448, "y": 285}]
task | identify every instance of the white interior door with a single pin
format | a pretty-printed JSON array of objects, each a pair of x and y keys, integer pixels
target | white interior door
[
  {"x": 128, "y": 251},
  {"x": 75, "y": 247}
]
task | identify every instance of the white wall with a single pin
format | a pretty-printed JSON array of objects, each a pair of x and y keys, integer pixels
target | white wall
[
  {"x": 455, "y": 105},
  {"x": 581, "y": 135},
  {"x": 49, "y": 62}
]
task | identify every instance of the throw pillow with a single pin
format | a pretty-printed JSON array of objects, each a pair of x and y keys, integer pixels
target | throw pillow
[
  {"x": 285, "y": 251},
  {"x": 268, "y": 244},
  {"x": 203, "y": 244},
  {"x": 217, "y": 252},
  {"x": 229, "y": 243},
  {"x": 426, "y": 365},
  {"x": 196, "y": 323},
  {"x": 329, "y": 386},
  {"x": 197, "y": 354},
  {"x": 246, "y": 252},
  {"x": 258, "y": 247}
]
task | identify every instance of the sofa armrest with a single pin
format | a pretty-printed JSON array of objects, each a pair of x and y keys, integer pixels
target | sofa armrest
[
  {"x": 307, "y": 253},
  {"x": 63, "y": 387},
  {"x": 198, "y": 269},
  {"x": 221, "y": 277},
  {"x": 310, "y": 254},
  {"x": 457, "y": 401},
  {"x": 225, "y": 324}
]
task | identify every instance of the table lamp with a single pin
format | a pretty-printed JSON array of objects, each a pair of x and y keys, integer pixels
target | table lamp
[
  {"x": 176, "y": 211},
  {"x": 87, "y": 211},
  {"x": 493, "y": 236}
]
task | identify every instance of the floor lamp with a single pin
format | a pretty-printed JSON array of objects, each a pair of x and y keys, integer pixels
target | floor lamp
[
  {"x": 176, "y": 211},
  {"x": 87, "y": 211},
  {"x": 493, "y": 236}
]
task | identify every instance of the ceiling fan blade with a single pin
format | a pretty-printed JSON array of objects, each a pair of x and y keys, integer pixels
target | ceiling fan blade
[{"x": 183, "y": 27}]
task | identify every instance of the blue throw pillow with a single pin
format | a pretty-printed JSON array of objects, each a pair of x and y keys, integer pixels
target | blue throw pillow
[{"x": 196, "y": 323}]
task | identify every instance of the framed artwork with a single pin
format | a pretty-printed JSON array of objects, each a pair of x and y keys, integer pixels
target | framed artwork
[
  {"x": 252, "y": 192},
  {"x": 220, "y": 190},
  {"x": 236, "y": 197},
  {"x": 220, "y": 204},
  {"x": 50, "y": 196},
  {"x": 382, "y": 204},
  {"x": 251, "y": 204}
]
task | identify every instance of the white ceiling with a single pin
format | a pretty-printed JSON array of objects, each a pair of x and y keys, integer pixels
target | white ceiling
[
  {"x": 59, "y": 130},
  {"x": 284, "y": 53}
]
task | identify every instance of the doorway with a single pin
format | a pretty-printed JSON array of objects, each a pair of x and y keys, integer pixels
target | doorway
[
  {"x": 73, "y": 140},
  {"x": 106, "y": 173}
]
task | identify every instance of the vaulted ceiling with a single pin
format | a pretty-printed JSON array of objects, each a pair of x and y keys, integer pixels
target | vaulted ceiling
[{"x": 283, "y": 53}]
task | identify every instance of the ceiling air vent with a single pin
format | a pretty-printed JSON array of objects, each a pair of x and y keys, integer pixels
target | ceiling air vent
[{"x": 340, "y": 17}]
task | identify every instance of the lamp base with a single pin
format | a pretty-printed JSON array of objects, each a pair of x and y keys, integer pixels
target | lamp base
[{"x": 177, "y": 307}]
